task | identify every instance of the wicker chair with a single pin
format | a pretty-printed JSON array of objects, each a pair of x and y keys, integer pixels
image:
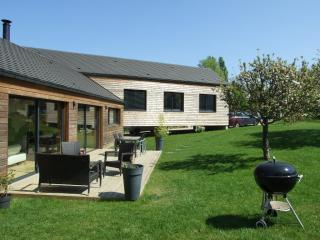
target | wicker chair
[
  {"x": 142, "y": 146},
  {"x": 125, "y": 154},
  {"x": 117, "y": 141}
]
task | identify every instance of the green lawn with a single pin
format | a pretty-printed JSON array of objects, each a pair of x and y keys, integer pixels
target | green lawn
[{"x": 202, "y": 188}]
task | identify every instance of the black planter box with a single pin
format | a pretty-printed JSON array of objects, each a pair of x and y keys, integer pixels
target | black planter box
[
  {"x": 159, "y": 143},
  {"x": 132, "y": 181},
  {"x": 5, "y": 201}
]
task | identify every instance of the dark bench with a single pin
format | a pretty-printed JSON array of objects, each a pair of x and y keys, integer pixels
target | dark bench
[{"x": 67, "y": 169}]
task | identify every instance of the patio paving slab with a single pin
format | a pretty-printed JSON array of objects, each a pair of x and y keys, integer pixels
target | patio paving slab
[{"x": 111, "y": 187}]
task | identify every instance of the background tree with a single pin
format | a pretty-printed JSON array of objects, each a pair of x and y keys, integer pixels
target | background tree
[
  {"x": 235, "y": 96},
  {"x": 223, "y": 68},
  {"x": 218, "y": 67},
  {"x": 273, "y": 89}
]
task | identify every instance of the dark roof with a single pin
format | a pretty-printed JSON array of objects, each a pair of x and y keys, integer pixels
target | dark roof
[
  {"x": 27, "y": 65},
  {"x": 94, "y": 65}
]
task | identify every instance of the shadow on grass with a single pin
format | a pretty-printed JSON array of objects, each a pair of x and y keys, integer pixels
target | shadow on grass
[
  {"x": 230, "y": 222},
  {"x": 289, "y": 139},
  {"x": 213, "y": 163}
]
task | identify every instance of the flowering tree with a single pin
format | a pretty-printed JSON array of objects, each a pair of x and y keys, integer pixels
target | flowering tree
[
  {"x": 272, "y": 89},
  {"x": 315, "y": 92}
]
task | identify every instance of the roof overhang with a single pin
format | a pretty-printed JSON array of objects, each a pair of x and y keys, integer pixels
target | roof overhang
[{"x": 56, "y": 86}]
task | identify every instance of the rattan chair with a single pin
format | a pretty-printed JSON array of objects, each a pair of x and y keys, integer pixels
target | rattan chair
[
  {"x": 117, "y": 141},
  {"x": 125, "y": 154},
  {"x": 142, "y": 146}
]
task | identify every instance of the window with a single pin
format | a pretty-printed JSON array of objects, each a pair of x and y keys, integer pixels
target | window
[
  {"x": 113, "y": 116},
  {"x": 207, "y": 103},
  {"x": 173, "y": 102},
  {"x": 135, "y": 100}
]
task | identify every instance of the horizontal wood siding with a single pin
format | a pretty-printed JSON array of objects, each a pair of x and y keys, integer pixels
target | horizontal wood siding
[
  {"x": 3, "y": 132},
  {"x": 155, "y": 91},
  {"x": 20, "y": 88}
]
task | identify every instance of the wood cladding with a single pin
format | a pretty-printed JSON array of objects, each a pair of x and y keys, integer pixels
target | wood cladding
[
  {"x": 20, "y": 88},
  {"x": 191, "y": 116},
  {"x": 3, "y": 132}
]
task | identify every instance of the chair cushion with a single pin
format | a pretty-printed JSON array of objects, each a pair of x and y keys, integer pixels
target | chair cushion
[
  {"x": 70, "y": 148},
  {"x": 14, "y": 149}
]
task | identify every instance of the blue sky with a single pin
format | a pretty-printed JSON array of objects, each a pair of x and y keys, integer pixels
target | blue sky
[{"x": 176, "y": 31}]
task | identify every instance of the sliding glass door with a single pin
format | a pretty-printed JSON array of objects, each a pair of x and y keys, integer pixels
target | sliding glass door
[
  {"x": 21, "y": 135},
  {"x": 81, "y": 126},
  {"x": 50, "y": 127},
  {"x": 91, "y": 129},
  {"x": 34, "y": 125},
  {"x": 88, "y": 119}
]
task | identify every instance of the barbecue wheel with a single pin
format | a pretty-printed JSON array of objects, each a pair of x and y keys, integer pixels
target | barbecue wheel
[{"x": 261, "y": 224}]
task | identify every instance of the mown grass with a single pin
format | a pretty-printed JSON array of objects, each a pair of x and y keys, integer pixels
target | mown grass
[{"x": 202, "y": 188}]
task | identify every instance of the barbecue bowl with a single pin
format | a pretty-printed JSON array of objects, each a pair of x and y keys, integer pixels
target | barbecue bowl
[{"x": 276, "y": 177}]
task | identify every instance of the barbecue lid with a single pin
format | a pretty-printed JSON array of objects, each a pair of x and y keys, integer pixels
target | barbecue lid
[{"x": 275, "y": 169}]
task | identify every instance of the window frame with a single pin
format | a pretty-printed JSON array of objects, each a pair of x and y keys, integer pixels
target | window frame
[
  {"x": 172, "y": 109},
  {"x": 117, "y": 116},
  {"x": 135, "y": 109},
  {"x": 214, "y": 103}
]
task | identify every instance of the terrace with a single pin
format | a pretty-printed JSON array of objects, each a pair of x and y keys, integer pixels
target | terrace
[{"x": 111, "y": 188}]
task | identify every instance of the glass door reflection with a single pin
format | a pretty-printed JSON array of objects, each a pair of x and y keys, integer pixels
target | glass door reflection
[
  {"x": 87, "y": 127},
  {"x": 81, "y": 126},
  {"x": 33, "y": 126},
  {"x": 50, "y": 127},
  {"x": 21, "y": 135}
]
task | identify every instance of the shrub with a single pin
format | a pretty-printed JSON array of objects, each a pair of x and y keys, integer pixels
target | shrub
[
  {"x": 199, "y": 129},
  {"x": 161, "y": 130}
]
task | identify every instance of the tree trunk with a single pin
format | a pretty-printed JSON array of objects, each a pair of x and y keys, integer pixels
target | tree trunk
[{"x": 265, "y": 139}]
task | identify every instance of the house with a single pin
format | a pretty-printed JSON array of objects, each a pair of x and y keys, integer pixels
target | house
[
  {"x": 44, "y": 102},
  {"x": 52, "y": 96},
  {"x": 185, "y": 96}
]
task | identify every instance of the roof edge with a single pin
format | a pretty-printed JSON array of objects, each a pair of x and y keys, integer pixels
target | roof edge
[
  {"x": 37, "y": 81},
  {"x": 128, "y": 77}
]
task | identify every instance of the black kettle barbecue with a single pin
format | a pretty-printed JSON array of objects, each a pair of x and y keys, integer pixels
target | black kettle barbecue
[{"x": 276, "y": 179}]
